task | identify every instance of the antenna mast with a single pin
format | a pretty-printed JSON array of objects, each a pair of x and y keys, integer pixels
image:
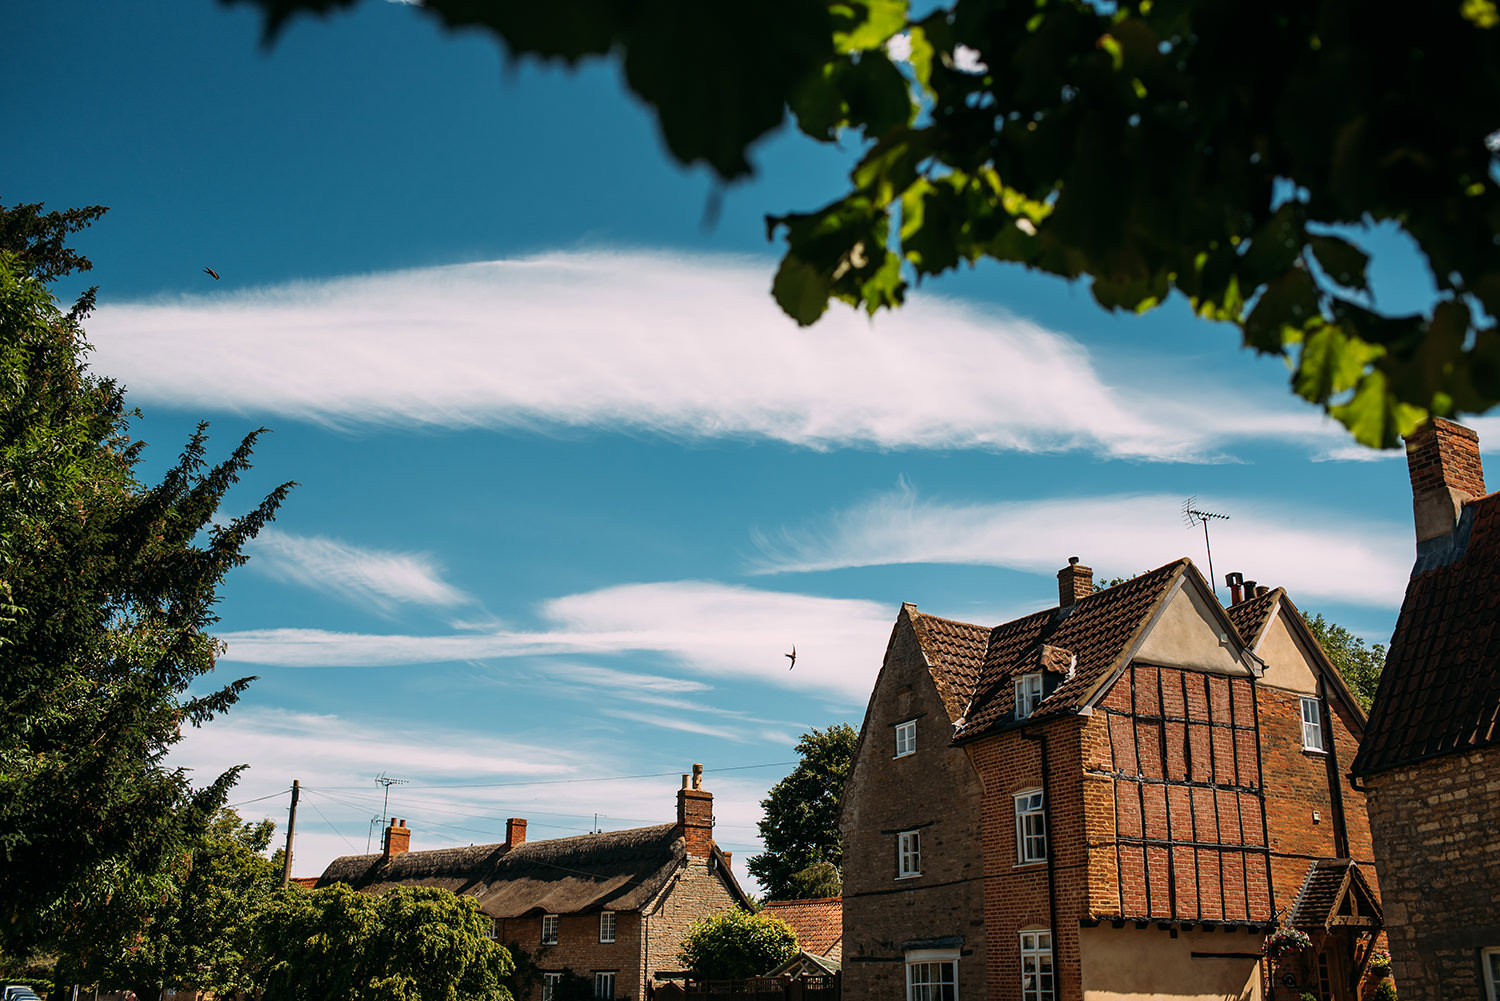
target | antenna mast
[
  {"x": 1192, "y": 517},
  {"x": 383, "y": 780}
]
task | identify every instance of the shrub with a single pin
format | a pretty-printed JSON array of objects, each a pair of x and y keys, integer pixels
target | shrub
[{"x": 737, "y": 944}]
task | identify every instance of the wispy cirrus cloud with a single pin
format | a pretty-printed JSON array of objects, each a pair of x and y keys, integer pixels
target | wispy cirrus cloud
[
  {"x": 1327, "y": 558},
  {"x": 687, "y": 347},
  {"x": 357, "y": 574},
  {"x": 703, "y": 627}
]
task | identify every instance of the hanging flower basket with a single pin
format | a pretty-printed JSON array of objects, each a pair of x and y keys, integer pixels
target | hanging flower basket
[
  {"x": 1380, "y": 963},
  {"x": 1284, "y": 941}
]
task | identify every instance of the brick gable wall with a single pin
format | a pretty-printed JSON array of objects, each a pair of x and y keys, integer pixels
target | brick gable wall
[
  {"x": 698, "y": 892},
  {"x": 933, "y": 791},
  {"x": 1434, "y": 827}
]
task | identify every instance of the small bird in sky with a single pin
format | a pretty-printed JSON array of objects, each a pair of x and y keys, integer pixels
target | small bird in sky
[
  {"x": 792, "y": 656},
  {"x": 211, "y": 273}
]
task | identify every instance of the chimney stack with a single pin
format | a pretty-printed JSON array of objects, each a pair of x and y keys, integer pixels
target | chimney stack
[
  {"x": 1235, "y": 582},
  {"x": 1073, "y": 582},
  {"x": 1443, "y": 460},
  {"x": 515, "y": 832},
  {"x": 695, "y": 815},
  {"x": 397, "y": 840}
]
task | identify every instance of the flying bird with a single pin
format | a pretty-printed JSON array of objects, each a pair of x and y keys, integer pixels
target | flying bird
[
  {"x": 211, "y": 273},
  {"x": 792, "y": 656}
]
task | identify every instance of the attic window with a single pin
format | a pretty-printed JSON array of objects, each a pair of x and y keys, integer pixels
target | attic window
[
  {"x": 906, "y": 738},
  {"x": 1028, "y": 694},
  {"x": 1312, "y": 726}
]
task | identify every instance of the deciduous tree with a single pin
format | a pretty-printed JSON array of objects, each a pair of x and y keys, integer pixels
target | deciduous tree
[
  {"x": 800, "y": 827},
  {"x": 737, "y": 944},
  {"x": 412, "y": 943},
  {"x": 1229, "y": 153},
  {"x": 1359, "y": 663}
]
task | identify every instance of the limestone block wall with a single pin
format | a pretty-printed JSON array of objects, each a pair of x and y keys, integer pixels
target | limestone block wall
[{"x": 1438, "y": 855}]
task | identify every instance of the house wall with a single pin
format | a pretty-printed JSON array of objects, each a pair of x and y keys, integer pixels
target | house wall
[
  {"x": 578, "y": 948},
  {"x": 1434, "y": 827},
  {"x": 934, "y": 791},
  {"x": 697, "y": 892},
  {"x": 1182, "y": 757},
  {"x": 1129, "y": 963},
  {"x": 1016, "y": 896}
]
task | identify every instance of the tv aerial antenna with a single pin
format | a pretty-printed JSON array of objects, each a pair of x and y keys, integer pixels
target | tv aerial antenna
[
  {"x": 1192, "y": 517},
  {"x": 382, "y": 780}
]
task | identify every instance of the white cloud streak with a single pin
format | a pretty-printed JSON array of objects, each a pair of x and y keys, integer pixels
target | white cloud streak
[
  {"x": 713, "y": 629},
  {"x": 359, "y": 575},
  {"x": 1315, "y": 558},
  {"x": 690, "y": 348}
]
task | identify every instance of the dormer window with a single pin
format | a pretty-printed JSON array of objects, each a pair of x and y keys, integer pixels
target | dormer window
[
  {"x": 1028, "y": 694},
  {"x": 906, "y": 738}
]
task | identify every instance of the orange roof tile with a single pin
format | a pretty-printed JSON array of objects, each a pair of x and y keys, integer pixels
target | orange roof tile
[{"x": 819, "y": 923}]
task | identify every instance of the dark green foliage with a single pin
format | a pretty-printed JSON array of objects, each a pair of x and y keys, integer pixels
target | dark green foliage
[
  {"x": 412, "y": 943},
  {"x": 1360, "y": 664},
  {"x": 801, "y": 824},
  {"x": 1226, "y": 150},
  {"x": 39, "y": 239},
  {"x": 108, "y": 588},
  {"x": 1384, "y": 991},
  {"x": 821, "y": 879},
  {"x": 737, "y": 944},
  {"x": 197, "y": 935}
]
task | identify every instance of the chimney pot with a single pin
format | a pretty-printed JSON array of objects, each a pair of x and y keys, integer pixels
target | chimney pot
[
  {"x": 1074, "y": 581},
  {"x": 1235, "y": 582},
  {"x": 1249, "y": 589},
  {"x": 1442, "y": 460},
  {"x": 1261, "y": 590}
]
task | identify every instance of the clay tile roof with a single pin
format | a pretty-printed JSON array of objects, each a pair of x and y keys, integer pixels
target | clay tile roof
[
  {"x": 1328, "y": 883},
  {"x": 1097, "y": 630},
  {"x": 1251, "y": 615},
  {"x": 956, "y": 652},
  {"x": 616, "y": 870},
  {"x": 819, "y": 923},
  {"x": 1440, "y": 690}
]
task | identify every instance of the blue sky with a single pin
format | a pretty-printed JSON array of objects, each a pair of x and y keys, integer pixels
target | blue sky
[{"x": 570, "y": 485}]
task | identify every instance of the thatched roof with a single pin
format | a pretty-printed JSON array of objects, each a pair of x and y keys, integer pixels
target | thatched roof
[{"x": 617, "y": 871}]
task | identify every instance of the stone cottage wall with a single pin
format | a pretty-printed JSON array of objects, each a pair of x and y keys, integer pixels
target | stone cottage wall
[{"x": 1436, "y": 850}]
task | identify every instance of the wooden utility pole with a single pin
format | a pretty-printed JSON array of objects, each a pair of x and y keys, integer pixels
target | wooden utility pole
[{"x": 291, "y": 826}]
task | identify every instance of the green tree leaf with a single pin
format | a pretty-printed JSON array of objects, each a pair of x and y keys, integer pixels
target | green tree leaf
[{"x": 801, "y": 824}]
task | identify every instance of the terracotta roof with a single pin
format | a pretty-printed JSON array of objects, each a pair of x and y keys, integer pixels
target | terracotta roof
[
  {"x": 1251, "y": 615},
  {"x": 616, "y": 870},
  {"x": 1440, "y": 690},
  {"x": 307, "y": 881},
  {"x": 1328, "y": 885},
  {"x": 955, "y": 650},
  {"x": 819, "y": 923},
  {"x": 1088, "y": 639}
]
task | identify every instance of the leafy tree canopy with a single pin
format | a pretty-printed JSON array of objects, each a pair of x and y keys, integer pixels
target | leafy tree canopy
[
  {"x": 1232, "y": 151},
  {"x": 197, "y": 935},
  {"x": 737, "y": 944},
  {"x": 1359, "y": 663},
  {"x": 108, "y": 587},
  {"x": 413, "y": 943},
  {"x": 800, "y": 828}
]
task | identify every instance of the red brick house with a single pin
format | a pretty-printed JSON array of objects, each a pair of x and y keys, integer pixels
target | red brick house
[
  {"x": 1430, "y": 761},
  {"x": 612, "y": 906},
  {"x": 1119, "y": 796}
]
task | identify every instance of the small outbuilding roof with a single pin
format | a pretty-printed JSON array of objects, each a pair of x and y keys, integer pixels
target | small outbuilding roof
[{"x": 819, "y": 922}]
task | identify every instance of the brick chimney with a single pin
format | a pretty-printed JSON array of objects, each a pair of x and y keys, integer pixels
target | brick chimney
[
  {"x": 397, "y": 840},
  {"x": 695, "y": 815},
  {"x": 515, "y": 832},
  {"x": 1443, "y": 460},
  {"x": 1073, "y": 582}
]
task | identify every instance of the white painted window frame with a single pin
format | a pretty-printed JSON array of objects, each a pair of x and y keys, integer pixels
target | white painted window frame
[
  {"x": 550, "y": 923},
  {"x": 549, "y": 985},
  {"x": 1312, "y": 728},
  {"x": 604, "y": 983},
  {"x": 1028, "y": 694},
  {"x": 906, "y": 738},
  {"x": 924, "y": 991},
  {"x": 1031, "y": 826},
  {"x": 908, "y": 854},
  {"x": 1489, "y": 962},
  {"x": 606, "y": 927},
  {"x": 1036, "y": 960}
]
